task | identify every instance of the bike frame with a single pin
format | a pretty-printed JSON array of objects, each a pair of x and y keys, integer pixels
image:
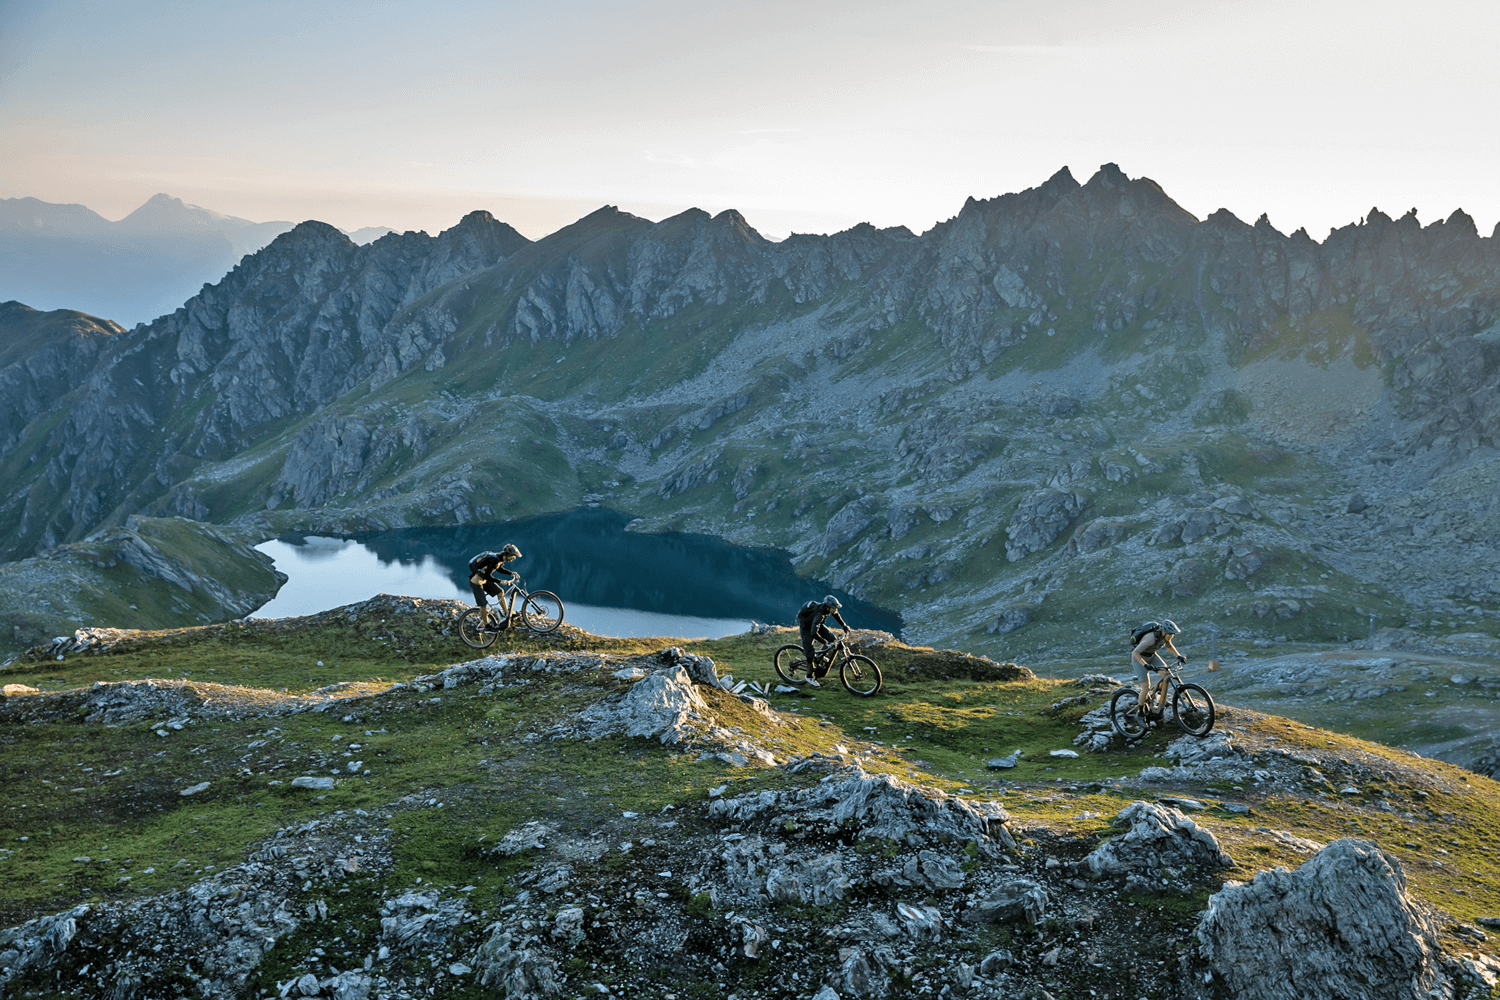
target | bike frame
[
  {"x": 827, "y": 653},
  {"x": 509, "y": 592},
  {"x": 1170, "y": 680}
]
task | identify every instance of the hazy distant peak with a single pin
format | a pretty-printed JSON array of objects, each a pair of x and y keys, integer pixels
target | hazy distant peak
[
  {"x": 33, "y": 214},
  {"x": 368, "y": 234},
  {"x": 162, "y": 211}
]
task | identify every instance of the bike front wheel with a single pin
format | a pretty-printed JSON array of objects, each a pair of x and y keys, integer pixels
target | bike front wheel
[
  {"x": 1194, "y": 710},
  {"x": 791, "y": 666},
  {"x": 860, "y": 676},
  {"x": 542, "y": 612},
  {"x": 477, "y": 629},
  {"x": 1125, "y": 715}
]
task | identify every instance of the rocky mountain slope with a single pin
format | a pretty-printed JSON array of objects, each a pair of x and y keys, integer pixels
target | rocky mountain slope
[
  {"x": 206, "y": 813},
  {"x": 1058, "y": 412}
]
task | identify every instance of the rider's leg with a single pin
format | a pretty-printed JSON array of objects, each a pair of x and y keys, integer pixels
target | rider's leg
[
  {"x": 479, "y": 601},
  {"x": 807, "y": 648},
  {"x": 493, "y": 589},
  {"x": 1143, "y": 678},
  {"x": 824, "y": 636}
]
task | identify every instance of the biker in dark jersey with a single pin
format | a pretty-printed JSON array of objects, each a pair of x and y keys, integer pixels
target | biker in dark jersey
[
  {"x": 482, "y": 570},
  {"x": 810, "y": 623}
]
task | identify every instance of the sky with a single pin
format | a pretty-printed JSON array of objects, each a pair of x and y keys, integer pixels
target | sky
[{"x": 806, "y": 116}]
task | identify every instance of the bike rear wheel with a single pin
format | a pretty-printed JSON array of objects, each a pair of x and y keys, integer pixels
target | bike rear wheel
[
  {"x": 860, "y": 676},
  {"x": 542, "y": 612},
  {"x": 1125, "y": 715},
  {"x": 477, "y": 630},
  {"x": 1194, "y": 709},
  {"x": 791, "y": 666}
]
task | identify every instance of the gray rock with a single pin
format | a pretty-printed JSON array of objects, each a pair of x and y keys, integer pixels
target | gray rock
[
  {"x": 1010, "y": 902},
  {"x": 567, "y": 927},
  {"x": 1003, "y": 763},
  {"x": 700, "y": 668},
  {"x": 857, "y": 977},
  {"x": 1012, "y": 618},
  {"x": 817, "y": 881},
  {"x": 995, "y": 963},
  {"x": 661, "y": 705},
  {"x": 527, "y": 837},
  {"x": 1340, "y": 925},
  {"x": 922, "y": 923},
  {"x": 875, "y": 806},
  {"x": 928, "y": 870},
  {"x": 1039, "y": 519},
  {"x": 1159, "y": 837},
  {"x": 308, "y": 781},
  {"x": 507, "y": 964}
]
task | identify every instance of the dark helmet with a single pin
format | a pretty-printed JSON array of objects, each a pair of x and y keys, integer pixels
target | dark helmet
[
  {"x": 510, "y": 552},
  {"x": 831, "y": 602},
  {"x": 1170, "y": 627}
]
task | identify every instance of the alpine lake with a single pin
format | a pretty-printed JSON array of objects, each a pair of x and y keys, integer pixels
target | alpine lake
[{"x": 612, "y": 582}]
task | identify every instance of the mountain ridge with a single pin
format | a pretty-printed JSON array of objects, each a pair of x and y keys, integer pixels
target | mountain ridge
[{"x": 1074, "y": 369}]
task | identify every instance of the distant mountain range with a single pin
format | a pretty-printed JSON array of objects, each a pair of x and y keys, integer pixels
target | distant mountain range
[
  {"x": 131, "y": 271},
  {"x": 1058, "y": 412}
]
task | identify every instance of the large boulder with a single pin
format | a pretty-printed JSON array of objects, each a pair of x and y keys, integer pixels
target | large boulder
[
  {"x": 1158, "y": 837},
  {"x": 1341, "y": 925},
  {"x": 660, "y": 705},
  {"x": 874, "y": 806}
]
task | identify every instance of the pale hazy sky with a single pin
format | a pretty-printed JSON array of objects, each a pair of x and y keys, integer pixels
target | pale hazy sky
[{"x": 807, "y": 116}]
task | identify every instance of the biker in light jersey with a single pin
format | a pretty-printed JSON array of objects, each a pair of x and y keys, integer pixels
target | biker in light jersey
[{"x": 1151, "y": 637}]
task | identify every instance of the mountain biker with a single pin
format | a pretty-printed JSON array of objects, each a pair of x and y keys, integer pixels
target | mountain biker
[
  {"x": 482, "y": 570},
  {"x": 1147, "y": 640},
  {"x": 810, "y": 623}
]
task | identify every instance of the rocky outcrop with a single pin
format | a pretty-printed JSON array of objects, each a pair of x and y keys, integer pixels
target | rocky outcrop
[
  {"x": 874, "y": 806},
  {"x": 1340, "y": 925},
  {"x": 1158, "y": 837}
]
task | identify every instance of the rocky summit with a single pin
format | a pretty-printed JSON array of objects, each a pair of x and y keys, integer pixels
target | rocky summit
[{"x": 355, "y": 805}]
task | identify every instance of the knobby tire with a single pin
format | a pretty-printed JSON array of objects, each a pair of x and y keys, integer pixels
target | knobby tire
[
  {"x": 860, "y": 676},
  {"x": 542, "y": 612},
  {"x": 1125, "y": 715},
  {"x": 1193, "y": 708},
  {"x": 478, "y": 635},
  {"x": 791, "y": 666}
]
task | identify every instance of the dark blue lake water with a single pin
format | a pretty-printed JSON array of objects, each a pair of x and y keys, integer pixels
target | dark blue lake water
[{"x": 612, "y": 582}]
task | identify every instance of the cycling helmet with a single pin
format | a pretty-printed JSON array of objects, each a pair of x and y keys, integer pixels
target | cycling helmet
[
  {"x": 832, "y": 602},
  {"x": 1170, "y": 627},
  {"x": 510, "y": 552}
]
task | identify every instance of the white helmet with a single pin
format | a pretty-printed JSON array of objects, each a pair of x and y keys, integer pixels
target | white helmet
[
  {"x": 831, "y": 602},
  {"x": 1170, "y": 627}
]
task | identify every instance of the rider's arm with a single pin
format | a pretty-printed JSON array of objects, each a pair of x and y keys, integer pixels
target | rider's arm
[
  {"x": 836, "y": 615},
  {"x": 509, "y": 573},
  {"x": 1180, "y": 657}
]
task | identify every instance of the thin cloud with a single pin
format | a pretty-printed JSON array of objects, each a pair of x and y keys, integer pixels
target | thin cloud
[{"x": 1052, "y": 51}]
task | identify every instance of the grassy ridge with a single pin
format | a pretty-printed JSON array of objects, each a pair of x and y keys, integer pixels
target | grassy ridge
[{"x": 97, "y": 811}]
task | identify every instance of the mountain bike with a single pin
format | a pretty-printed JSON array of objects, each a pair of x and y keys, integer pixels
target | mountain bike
[
  {"x": 1192, "y": 706},
  {"x": 541, "y": 612},
  {"x": 859, "y": 674}
]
